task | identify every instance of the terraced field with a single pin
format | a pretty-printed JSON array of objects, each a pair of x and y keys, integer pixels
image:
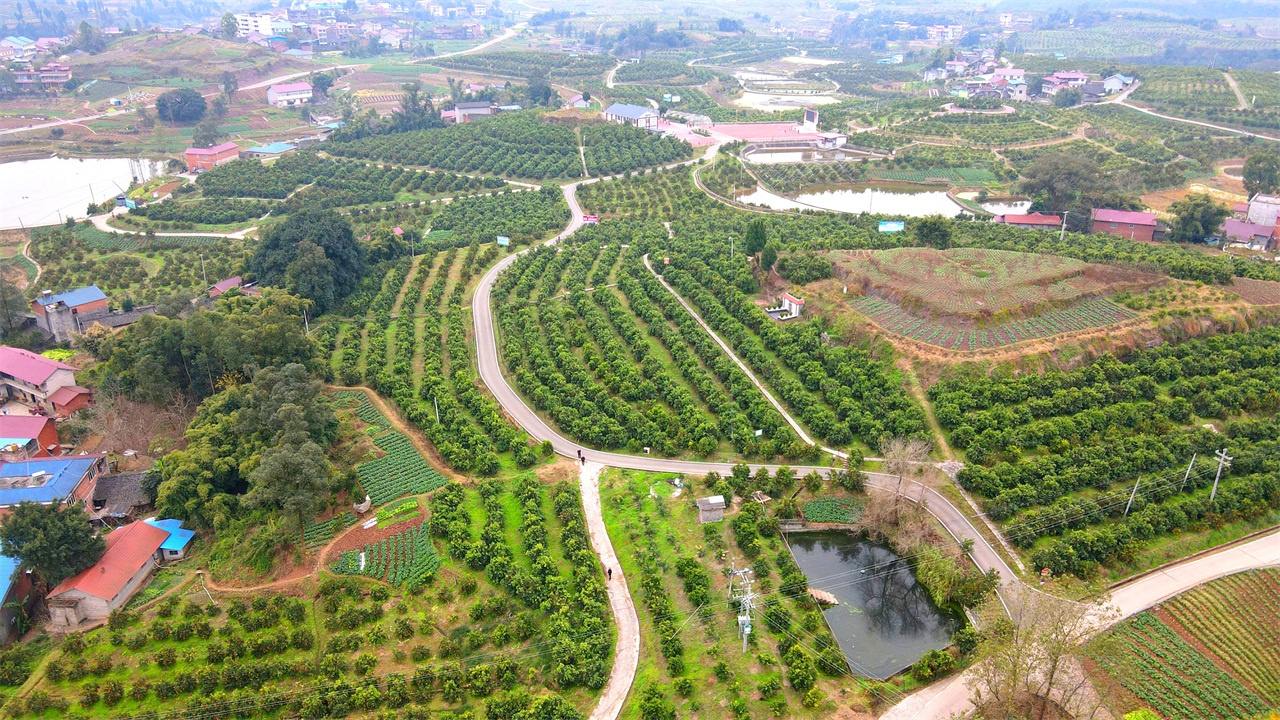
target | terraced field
[{"x": 1094, "y": 313}]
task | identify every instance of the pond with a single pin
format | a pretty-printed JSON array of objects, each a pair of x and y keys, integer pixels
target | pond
[
  {"x": 1017, "y": 207},
  {"x": 885, "y": 620},
  {"x": 41, "y": 192},
  {"x": 894, "y": 201}
]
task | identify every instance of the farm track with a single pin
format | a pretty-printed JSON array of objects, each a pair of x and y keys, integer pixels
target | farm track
[{"x": 1235, "y": 88}]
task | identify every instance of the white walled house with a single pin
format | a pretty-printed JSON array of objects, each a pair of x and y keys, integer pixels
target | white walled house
[
  {"x": 133, "y": 553},
  {"x": 634, "y": 115},
  {"x": 289, "y": 94}
]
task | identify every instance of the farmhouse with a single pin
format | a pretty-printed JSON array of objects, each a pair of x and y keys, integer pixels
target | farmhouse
[
  {"x": 1034, "y": 220},
  {"x": 201, "y": 159},
  {"x": 23, "y": 437},
  {"x": 50, "y": 480},
  {"x": 1124, "y": 223},
  {"x": 466, "y": 111},
  {"x": 56, "y": 313},
  {"x": 38, "y": 382},
  {"x": 1010, "y": 75},
  {"x": 77, "y": 310},
  {"x": 270, "y": 150},
  {"x": 634, "y": 115},
  {"x": 50, "y": 75},
  {"x": 289, "y": 94},
  {"x": 217, "y": 289},
  {"x": 133, "y": 552},
  {"x": 1256, "y": 237},
  {"x": 175, "y": 547},
  {"x": 711, "y": 509},
  {"x": 1116, "y": 83},
  {"x": 117, "y": 497},
  {"x": 790, "y": 308},
  {"x": 1264, "y": 210}
]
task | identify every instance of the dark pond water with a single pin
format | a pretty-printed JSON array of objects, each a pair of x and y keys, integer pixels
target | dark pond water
[{"x": 885, "y": 621}]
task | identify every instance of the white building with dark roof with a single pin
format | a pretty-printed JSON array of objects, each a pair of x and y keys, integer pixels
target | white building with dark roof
[{"x": 634, "y": 115}]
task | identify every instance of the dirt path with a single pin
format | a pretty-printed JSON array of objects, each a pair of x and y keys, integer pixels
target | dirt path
[
  {"x": 1235, "y": 88},
  {"x": 415, "y": 436},
  {"x": 26, "y": 253},
  {"x": 917, "y": 391},
  {"x": 626, "y": 650}
]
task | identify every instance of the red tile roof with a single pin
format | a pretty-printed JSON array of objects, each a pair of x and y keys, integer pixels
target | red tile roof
[
  {"x": 1124, "y": 216},
  {"x": 1231, "y": 228},
  {"x": 28, "y": 366},
  {"x": 216, "y": 149},
  {"x": 128, "y": 550},
  {"x": 22, "y": 426},
  {"x": 67, "y": 393}
]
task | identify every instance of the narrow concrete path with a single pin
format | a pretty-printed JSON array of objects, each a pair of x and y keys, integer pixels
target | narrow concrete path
[
  {"x": 795, "y": 425},
  {"x": 100, "y": 222},
  {"x": 1235, "y": 88},
  {"x": 626, "y": 652}
]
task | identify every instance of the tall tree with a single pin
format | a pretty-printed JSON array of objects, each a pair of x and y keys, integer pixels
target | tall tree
[
  {"x": 1063, "y": 182},
  {"x": 294, "y": 474},
  {"x": 320, "y": 83},
  {"x": 182, "y": 105},
  {"x": 1262, "y": 173},
  {"x": 230, "y": 28},
  {"x": 756, "y": 237},
  {"x": 1196, "y": 217},
  {"x": 310, "y": 275},
  {"x": 230, "y": 83},
  {"x": 324, "y": 228},
  {"x": 90, "y": 39},
  {"x": 12, "y": 304},
  {"x": 934, "y": 231},
  {"x": 54, "y": 542}
]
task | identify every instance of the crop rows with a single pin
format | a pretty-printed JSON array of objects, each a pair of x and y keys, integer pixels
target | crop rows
[
  {"x": 365, "y": 409},
  {"x": 402, "y": 471},
  {"x": 316, "y": 534},
  {"x": 1093, "y": 313},
  {"x": 519, "y": 145},
  {"x": 1175, "y": 678},
  {"x": 1238, "y": 619},
  {"x": 406, "y": 557}
]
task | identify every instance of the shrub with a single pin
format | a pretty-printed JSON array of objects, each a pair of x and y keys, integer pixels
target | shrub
[
  {"x": 812, "y": 698},
  {"x": 769, "y": 688},
  {"x": 364, "y": 663},
  {"x": 112, "y": 693},
  {"x": 140, "y": 690},
  {"x": 933, "y": 664},
  {"x": 166, "y": 658}
]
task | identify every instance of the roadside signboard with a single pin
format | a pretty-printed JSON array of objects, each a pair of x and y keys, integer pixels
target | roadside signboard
[
  {"x": 504, "y": 241},
  {"x": 891, "y": 226},
  {"x": 595, "y": 219}
]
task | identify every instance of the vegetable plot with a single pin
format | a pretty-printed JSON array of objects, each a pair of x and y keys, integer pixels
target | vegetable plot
[
  {"x": 833, "y": 510},
  {"x": 1174, "y": 678},
  {"x": 406, "y": 557},
  {"x": 402, "y": 471}
]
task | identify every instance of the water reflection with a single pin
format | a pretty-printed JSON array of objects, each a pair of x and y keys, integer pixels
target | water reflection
[
  {"x": 43, "y": 192},
  {"x": 885, "y": 620},
  {"x": 895, "y": 202}
]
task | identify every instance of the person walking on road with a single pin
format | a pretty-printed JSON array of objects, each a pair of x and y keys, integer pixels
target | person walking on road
[{"x": 610, "y": 573}]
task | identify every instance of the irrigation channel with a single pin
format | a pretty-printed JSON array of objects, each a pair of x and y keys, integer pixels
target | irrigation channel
[{"x": 883, "y": 620}]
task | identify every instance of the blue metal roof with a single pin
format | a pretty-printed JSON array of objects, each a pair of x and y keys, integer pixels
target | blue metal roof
[
  {"x": 631, "y": 112},
  {"x": 72, "y": 298},
  {"x": 64, "y": 475},
  {"x": 179, "y": 536},
  {"x": 8, "y": 566},
  {"x": 273, "y": 148}
]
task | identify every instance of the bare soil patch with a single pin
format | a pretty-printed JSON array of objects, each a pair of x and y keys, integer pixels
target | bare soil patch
[
  {"x": 1257, "y": 292},
  {"x": 977, "y": 285},
  {"x": 357, "y": 537}
]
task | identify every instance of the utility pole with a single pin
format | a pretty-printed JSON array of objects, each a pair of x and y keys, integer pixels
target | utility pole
[
  {"x": 1132, "y": 495},
  {"x": 746, "y": 598},
  {"x": 1224, "y": 460},
  {"x": 1063, "y": 232},
  {"x": 203, "y": 274},
  {"x": 1188, "y": 475}
]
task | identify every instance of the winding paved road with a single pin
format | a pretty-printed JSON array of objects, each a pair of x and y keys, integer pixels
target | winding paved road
[
  {"x": 621, "y": 678},
  {"x": 939, "y": 701}
]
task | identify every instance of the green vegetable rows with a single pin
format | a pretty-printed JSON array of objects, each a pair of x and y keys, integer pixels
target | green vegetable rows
[
  {"x": 406, "y": 557},
  {"x": 833, "y": 510},
  {"x": 402, "y": 471}
]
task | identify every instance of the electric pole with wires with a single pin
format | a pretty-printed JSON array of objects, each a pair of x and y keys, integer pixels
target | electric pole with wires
[
  {"x": 740, "y": 590},
  {"x": 1224, "y": 460}
]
